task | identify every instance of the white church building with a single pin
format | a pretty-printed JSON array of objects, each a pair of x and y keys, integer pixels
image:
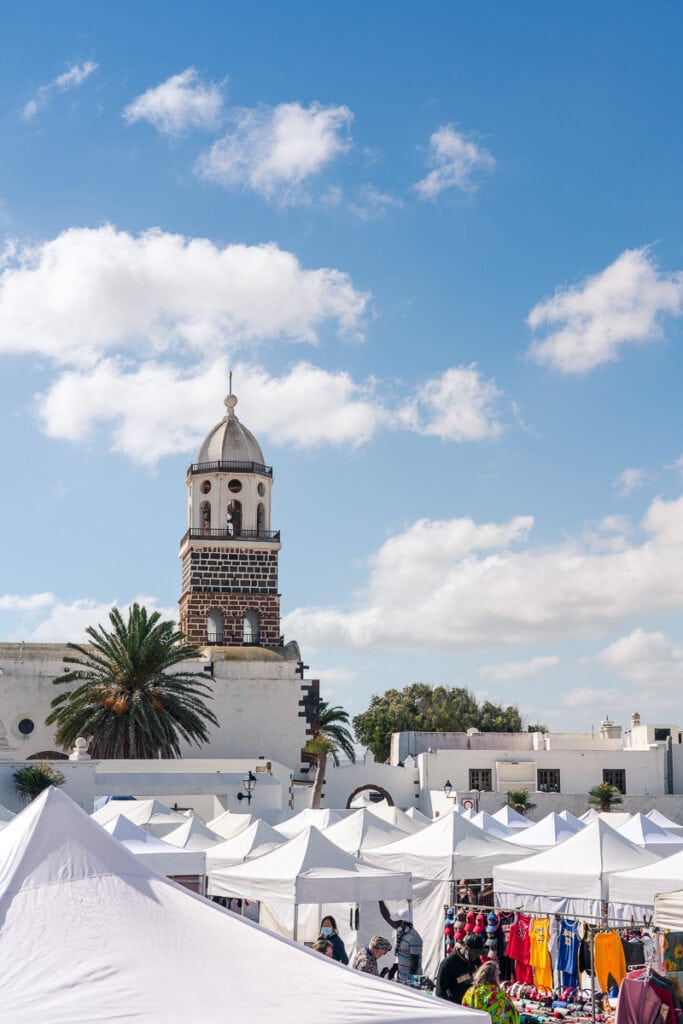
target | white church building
[{"x": 266, "y": 709}]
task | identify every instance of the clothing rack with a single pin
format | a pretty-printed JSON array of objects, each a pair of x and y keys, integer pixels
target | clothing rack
[{"x": 602, "y": 925}]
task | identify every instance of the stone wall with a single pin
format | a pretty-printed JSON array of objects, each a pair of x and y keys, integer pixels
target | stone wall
[
  {"x": 194, "y": 609},
  {"x": 230, "y": 569}
]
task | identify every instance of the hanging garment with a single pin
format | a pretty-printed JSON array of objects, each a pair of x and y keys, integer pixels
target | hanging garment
[
  {"x": 494, "y": 1001},
  {"x": 568, "y": 953},
  {"x": 638, "y": 1003},
  {"x": 634, "y": 952},
  {"x": 506, "y": 965},
  {"x": 518, "y": 949},
  {"x": 610, "y": 962},
  {"x": 539, "y": 955}
]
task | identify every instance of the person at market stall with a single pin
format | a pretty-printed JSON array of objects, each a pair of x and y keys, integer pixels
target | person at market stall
[
  {"x": 328, "y": 930},
  {"x": 367, "y": 956},
  {"x": 324, "y": 947},
  {"x": 456, "y": 971},
  {"x": 487, "y": 995},
  {"x": 408, "y": 947}
]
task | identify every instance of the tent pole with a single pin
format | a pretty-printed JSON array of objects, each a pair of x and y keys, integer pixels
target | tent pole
[
  {"x": 593, "y": 975},
  {"x": 295, "y": 926}
]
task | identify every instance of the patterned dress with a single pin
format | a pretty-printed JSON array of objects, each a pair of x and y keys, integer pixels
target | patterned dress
[{"x": 494, "y": 1001}]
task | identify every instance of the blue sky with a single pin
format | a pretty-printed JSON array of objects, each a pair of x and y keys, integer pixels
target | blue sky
[{"x": 440, "y": 246}]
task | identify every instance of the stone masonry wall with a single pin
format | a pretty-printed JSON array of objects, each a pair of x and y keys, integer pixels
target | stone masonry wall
[
  {"x": 194, "y": 608},
  {"x": 224, "y": 570}
]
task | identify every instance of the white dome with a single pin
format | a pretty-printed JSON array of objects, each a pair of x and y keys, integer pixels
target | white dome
[{"x": 230, "y": 441}]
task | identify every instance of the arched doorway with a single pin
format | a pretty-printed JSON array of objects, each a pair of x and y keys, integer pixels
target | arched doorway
[{"x": 384, "y": 794}]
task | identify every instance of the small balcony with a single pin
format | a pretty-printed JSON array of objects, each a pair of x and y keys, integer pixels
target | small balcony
[
  {"x": 230, "y": 467},
  {"x": 218, "y": 639},
  {"x": 206, "y": 533}
]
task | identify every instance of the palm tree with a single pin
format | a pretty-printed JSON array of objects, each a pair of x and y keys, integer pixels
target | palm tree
[
  {"x": 518, "y": 800},
  {"x": 319, "y": 748},
  {"x": 334, "y": 721},
  {"x": 125, "y": 700},
  {"x": 605, "y": 796},
  {"x": 30, "y": 780}
]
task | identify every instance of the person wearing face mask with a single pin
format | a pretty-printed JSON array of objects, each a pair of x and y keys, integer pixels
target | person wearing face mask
[{"x": 328, "y": 930}]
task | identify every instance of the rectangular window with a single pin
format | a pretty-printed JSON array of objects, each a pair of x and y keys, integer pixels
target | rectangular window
[
  {"x": 615, "y": 777},
  {"x": 480, "y": 778},
  {"x": 662, "y": 734},
  {"x": 548, "y": 780}
]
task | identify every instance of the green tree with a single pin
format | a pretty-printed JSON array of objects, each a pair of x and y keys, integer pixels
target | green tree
[
  {"x": 334, "y": 722},
  {"x": 319, "y": 749},
  {"x": 424, "y": 708},
  {"x": 125, "y": 701},
  {"x": 30, "y": 780},
  {"x": 605, "y": 796},
  {"x": 518, "y": 800}
]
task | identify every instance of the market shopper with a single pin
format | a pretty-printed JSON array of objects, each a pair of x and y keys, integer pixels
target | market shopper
[
  {"x": 487, "y": 995},
  {"x": 408, "y": 945},
  {"x": 366, "y": 958},
  {"x": 328, "y": 930},
  {"x": 456, "y": 971},
  {"x": 324, "y": 947}
]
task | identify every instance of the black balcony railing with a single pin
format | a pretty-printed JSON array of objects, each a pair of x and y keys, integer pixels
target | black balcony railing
[
  {"x": 248, "y": 639},
  {"x": 209, "y": 534},
  {"x": 230, "y": 467}
]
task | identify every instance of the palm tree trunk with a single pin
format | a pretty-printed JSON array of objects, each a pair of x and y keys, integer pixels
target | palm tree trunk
[{"x": 320, "y": 768}]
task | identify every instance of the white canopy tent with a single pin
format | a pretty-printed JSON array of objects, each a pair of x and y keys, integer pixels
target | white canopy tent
[
  {"x": 307, "y": 876},
  {"x": 227, "y": 824},
  {"x": 615, "y": 818},
  {"x": 669, "y": 910},
  {"x": 397, "y": 817},
  {"x": 362, "y": 831},
  {"x": 572, "y": 819},
  {"x": 319, "y": 817},
  {"x": 513, "y": 819},
  {"x": 151, "y": 815},
  {"x": 664, "y": 822},
  {"x": 549, "y": 831},
  {"x": 572, "y": 878},
  {"x": 644, "y": 832},
  {"x": 255, "y": 841},
  {"x": 142, "y": 949},
  {"x": 449, "y": 849},
  {"x": 158, "y": 855},
  {"x": 491, "y": 825},
  {"x": 193, "y": 835},
  {"x": 632, "y": 893},
  {"x": 418, "y": 816},
  {"x": 588, "y": 816}
]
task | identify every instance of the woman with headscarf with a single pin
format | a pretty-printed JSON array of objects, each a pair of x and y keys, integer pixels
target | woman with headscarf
[{"x": 487, "y": 995}]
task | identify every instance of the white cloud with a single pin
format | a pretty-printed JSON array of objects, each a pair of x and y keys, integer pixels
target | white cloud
[
  {"x": 646, "y": 658},
  {"x": 588, "y": 324},
  {"x": 511, "y": 671},
  {"x": 456, "y": 158},
  {"x": 74, "y": 76},
  {"x": 274, "y": 150},
  {"x": 183, "y": 101},
  {"x": 629, "y": 481},
  {"x": 678, "y": 465},
  {"x": 372, "y": 204},
  {"x": 584, "y": 697},
  {"x": 156, "y": 410},
  {"x": 91, "y": 290},
  {"x": 458, "y": 405},
  {"x": 49, "y": 620},
  {"x": 457, "y": 585},
  {"x": 23, "y": 603}
]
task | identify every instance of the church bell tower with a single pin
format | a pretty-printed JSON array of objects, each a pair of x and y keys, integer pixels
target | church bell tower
[{"x": 230, "y": 553}]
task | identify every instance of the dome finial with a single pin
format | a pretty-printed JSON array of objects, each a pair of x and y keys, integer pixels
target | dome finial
[{"x": 230, "y": 400}]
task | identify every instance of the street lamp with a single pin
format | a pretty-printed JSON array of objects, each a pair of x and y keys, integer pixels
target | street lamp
[
  {"x": 448, "y": 789},
  {"x": 248, "y": 781}
]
